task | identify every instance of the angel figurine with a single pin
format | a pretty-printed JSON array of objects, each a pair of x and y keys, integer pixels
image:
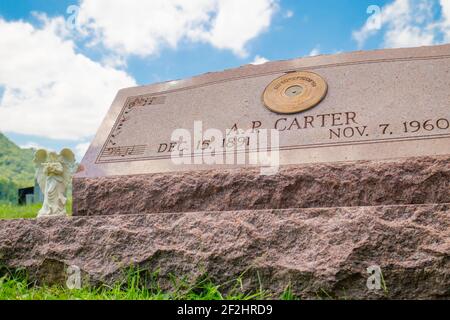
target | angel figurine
[{"x": 54, "y": 174}]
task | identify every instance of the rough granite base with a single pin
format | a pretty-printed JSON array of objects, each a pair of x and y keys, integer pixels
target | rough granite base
[
  {"x": 314, "y": 250},
  {"x": 364, "y": 183}
]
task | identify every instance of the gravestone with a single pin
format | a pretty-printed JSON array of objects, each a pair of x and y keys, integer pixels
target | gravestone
[
  {"x": 346, "y": 176},
  {"x": 309, "y": 112}
]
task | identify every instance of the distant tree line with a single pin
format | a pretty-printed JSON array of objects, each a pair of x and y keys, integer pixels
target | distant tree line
[{"x": 8, "y": 190}]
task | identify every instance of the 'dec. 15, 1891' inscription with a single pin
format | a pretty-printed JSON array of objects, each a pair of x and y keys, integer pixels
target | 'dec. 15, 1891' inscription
[{"x": 380, "y": 105}]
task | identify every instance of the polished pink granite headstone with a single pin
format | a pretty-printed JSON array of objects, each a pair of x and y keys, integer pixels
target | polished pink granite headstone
[
  {"x": 380, "y": 136},
  {"x": 364, "y": 180}
]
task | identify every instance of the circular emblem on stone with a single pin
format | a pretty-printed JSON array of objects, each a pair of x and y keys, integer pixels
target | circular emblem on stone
[{"x": 295, "y": 92}]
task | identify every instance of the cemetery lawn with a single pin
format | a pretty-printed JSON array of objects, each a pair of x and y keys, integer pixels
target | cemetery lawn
[
  {"x": 14, "y": 286},
  {"x": 13, "y": 211}
]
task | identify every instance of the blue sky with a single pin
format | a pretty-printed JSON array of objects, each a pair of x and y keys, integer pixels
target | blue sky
[{"x": 62, "y": 69}]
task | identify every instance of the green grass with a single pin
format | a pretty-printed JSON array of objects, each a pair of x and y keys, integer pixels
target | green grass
[
  {"x": 11, "y": 211},
  {"x": 15, "y": 286}
]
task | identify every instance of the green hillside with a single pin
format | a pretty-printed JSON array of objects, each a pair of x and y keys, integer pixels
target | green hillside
[{"x": 16, "y": 169}]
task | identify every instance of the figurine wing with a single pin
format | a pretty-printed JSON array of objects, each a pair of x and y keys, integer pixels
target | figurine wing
[
  {"x": 68, "y": 161},
  {"x": 40, "y": 157}
]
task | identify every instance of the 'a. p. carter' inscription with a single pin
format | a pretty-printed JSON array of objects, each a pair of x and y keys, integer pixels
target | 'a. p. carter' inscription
[{"x": 382, "y": 104}]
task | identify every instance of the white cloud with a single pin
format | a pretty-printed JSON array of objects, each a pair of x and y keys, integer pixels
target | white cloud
[
  {"x": 314, "y": 52},
  {"x": 80, "y": 150},
  {"x": 407, "y": 23},
  {"x": 114, "y": 61},
  {"x": 50, "y": 90},
  {"x": 34, "y": 145},
  {"x": 445, "y": 5},
  {"x": 143, "y": 27},
  {"x": 259, "y": 60}
]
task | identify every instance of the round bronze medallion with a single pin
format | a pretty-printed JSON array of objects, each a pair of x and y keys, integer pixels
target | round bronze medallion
[{"x": 295, "y": 92}]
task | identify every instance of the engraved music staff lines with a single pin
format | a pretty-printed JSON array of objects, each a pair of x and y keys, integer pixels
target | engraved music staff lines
[{"x": 123, "y": 151}]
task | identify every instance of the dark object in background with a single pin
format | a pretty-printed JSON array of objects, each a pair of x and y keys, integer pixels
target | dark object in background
[
  {"x": 23, "y": 193},
  {"x": 34, "y": 195}
]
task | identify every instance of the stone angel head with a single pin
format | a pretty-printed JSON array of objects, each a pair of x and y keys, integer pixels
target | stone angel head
[{"x": 54, "y": 175}]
